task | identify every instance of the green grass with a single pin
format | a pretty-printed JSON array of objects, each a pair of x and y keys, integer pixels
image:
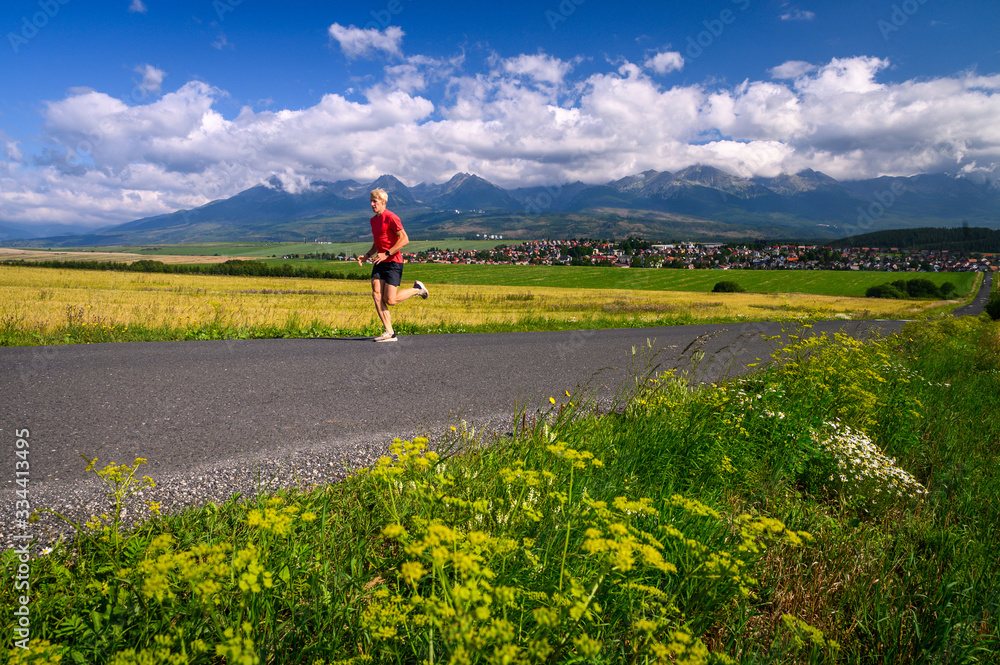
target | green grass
[
  {"x": 671, "y": 530},
  {"x": 818, "y": 282}
]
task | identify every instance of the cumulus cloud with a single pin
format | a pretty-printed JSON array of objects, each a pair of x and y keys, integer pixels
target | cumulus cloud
[
  {"x": 152, "y": 78},
  {"x": 137, "y": 7},
  {"x": 11, "y": 148},
  {"x": 842, "y": 76},
  {"x": 540, "y": 68},
  {"x": 368, "y": 42},
  {"x": 792, "y": 69},
  {"x": 419, "y": 71},
  {"x": 114, "y": 161},
  {"x": 664, "y": 63}
]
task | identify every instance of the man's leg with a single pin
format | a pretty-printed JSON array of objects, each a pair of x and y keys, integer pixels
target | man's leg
[
  {"x": 402, "y": 294},
  {"x": 379, "y": 294},
  {"x": 392, "y": 294}
]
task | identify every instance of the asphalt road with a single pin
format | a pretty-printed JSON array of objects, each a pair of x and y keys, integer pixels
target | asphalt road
[
  {"x": 185, "y": 405},
  {"x": 975, "y": 308}
]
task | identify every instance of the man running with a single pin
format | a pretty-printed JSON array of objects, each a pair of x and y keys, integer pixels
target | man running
[{"x": 387, "y": 269}]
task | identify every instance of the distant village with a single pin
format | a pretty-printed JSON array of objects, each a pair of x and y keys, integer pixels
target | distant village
[
  {"x": 638, "y": 253},
  {"x": 718, "y": 256}
]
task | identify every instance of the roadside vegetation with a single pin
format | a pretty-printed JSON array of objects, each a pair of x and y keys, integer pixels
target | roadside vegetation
[
  {"x": 992, "y": 308},
  {"x": 68, "y": 306},
  {"x": 840, "y": 505},
  {"x": 912, "y": 289}
]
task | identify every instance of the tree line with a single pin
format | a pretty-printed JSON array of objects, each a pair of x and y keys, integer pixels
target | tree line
[
  {"x": 961, "y": 239},
  {"x": 912, "y": 288},
  {"x": 230, "y": 267}
]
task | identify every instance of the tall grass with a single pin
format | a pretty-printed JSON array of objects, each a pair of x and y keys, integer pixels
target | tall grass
[
  {"x": 838, "y": 506},
  {"x": 51, "y": 306}
]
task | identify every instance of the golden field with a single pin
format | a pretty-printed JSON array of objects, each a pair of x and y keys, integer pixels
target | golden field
[{"x": 45, "y": 300}]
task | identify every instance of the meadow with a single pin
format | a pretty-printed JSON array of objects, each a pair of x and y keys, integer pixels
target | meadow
[
  {"x": 838, "y": 506},
  {"x": 54, "y": 306},
  {"x": 817, "y": 282},
  {"x": 813, "y": 282}
]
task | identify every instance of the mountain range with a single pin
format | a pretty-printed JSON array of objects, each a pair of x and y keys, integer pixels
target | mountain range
[{"x": 697, "y": 203}]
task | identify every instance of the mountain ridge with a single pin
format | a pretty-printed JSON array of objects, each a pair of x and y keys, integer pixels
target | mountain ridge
[{"x": 700, "y": 200}]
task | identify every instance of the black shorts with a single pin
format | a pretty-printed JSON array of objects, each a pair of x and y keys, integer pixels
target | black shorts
[{"x": 390, "y": 272}]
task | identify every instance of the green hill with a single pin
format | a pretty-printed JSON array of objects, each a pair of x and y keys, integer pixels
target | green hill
[{"x": 960, "y": 239}]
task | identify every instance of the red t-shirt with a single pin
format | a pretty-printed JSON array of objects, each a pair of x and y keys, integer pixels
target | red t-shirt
[{"x": 385, "y": 231}]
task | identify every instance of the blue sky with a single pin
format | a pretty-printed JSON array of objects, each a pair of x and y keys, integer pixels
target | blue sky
[{"x": 111, "y": 111}]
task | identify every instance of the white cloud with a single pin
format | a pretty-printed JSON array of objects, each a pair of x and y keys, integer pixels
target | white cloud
[
  {"x": 221, "y": 42},
  {"x": 540, "y": 68},
  {"x": 152, "y": 78},
  {"x": 419, "y": 71},
  {"x": 137, "y": 7},
  {"x": 842, "y": 76},
  {"x": 792, "y": 69},
  {"x": 762, "y": 111},
  {"x": 666, "y": 62},
  {"x": 798, "y": 15},
  {"x": 114, "y": 161},
  {"x": 11, "y": 149},
  {"x": 367, "y": 42}
]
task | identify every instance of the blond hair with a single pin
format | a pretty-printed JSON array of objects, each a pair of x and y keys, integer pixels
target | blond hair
[{"x": 380, "y": 195}]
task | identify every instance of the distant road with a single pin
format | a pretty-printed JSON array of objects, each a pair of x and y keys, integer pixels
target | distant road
[
  {"x": 186, "y": 405},
  {"x": 975, "y": 308}
]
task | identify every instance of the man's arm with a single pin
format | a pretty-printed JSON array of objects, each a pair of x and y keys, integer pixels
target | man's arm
[
  {"x": 370, "y": 252},
  {"x": 401, "y": 242}
]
